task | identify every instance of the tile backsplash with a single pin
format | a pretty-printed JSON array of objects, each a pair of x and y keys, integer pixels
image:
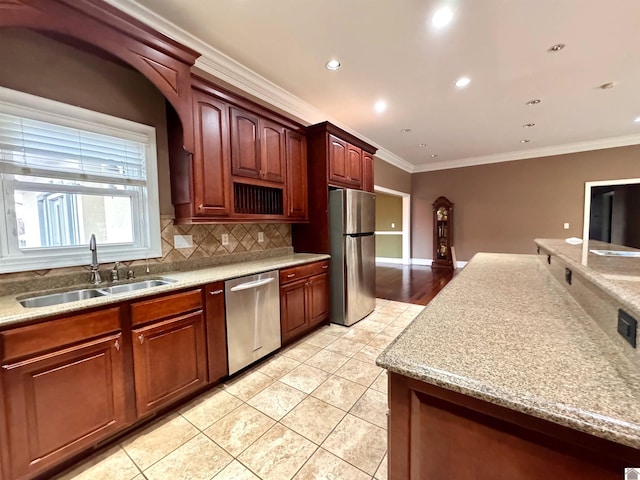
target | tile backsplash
[{"x": 206, "y": 247}]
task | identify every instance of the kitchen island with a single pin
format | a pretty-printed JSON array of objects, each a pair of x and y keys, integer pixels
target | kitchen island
[{"x": 505, "y": 376}]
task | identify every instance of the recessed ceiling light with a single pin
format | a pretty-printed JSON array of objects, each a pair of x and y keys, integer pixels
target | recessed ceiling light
[
  {"x": 434, "y": 155},
  {"x": 380, "y": 106},
  {"x": 333, "y": 65},
  {"x": 524, "y": 140},
  {"x": 529, "y": 125},
  {"x": 463, "y": 82},
  {"x": 637, "y": 119},
  {"x": 442, "y": 17},
  {"x": 555, "y": 48},
  {"x": 422, "y": 144},
  {"x": 405, "y": 130},
  {"x": 607, "y": 86},
  {"x": 535, "y": 101}
]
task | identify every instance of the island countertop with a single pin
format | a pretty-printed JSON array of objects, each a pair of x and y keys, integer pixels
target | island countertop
[{"x": 506, "y": 332}]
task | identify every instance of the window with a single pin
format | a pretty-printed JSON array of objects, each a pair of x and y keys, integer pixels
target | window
[{"x": 66, "y": 173}]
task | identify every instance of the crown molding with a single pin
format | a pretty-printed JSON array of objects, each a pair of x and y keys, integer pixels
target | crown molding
[
  {"x": 601, "y": 144},
  {"x": 219, "y": 65}
]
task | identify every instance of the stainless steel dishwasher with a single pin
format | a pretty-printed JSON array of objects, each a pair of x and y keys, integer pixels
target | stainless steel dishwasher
[{"x": 253, "y": 318}]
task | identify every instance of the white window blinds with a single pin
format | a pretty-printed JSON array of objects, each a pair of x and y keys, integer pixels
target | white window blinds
[{"x": 34, "y": 147}]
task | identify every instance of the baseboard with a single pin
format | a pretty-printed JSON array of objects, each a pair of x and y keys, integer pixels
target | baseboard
[
  {"x": 428, "y": 262},
  {"x": 388, "y": 260},
  {"x": 421, "y": 261}
]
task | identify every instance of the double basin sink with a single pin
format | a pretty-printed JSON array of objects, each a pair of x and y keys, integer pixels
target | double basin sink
[{"x": 86, "y": 293}]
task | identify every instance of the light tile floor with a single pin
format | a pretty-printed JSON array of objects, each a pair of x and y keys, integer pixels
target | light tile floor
[{"x": 316, "y": 410}]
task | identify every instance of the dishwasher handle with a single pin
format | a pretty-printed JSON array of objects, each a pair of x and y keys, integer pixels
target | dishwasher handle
[{"x": 254, "y": 284}]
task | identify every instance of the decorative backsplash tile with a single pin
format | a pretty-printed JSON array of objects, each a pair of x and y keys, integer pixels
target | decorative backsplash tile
[{"x": 206, "y": 248}]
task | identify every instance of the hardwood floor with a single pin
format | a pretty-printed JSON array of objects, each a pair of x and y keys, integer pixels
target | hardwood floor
[{"x": 409, "y": 283}]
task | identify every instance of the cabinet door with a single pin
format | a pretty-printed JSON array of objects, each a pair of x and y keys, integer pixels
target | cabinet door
[
  {"x": 245, "y": 144},
  {"x": 338, "y": 170},
  {"x": 317, "y": 298},
  {"x": 293, "y": 319},
  {"x": 169, "y": 360},
  {"x": 354, "y": 166},
  {"x": 63, "y": 401},
  {"x": 297, "y": 197},
  {"x": 211, "y": 156},
  {"x": 367, "y": 172},
  {"x": 216, "y": 332},
  {"x": 272, "y": 151}
]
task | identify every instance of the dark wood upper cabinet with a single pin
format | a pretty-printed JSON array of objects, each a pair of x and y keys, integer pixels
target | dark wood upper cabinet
[
  {"x": 338, "y": 161},
  {"x": 367, "y": 172},
  {"x": 257, "y": 147},
  {"x": 297, "y": 192},
  {"x": 211, "y": 157},
  {"x": 249, "y": 163},
  {"x": 354, "y": 164},
  {"x": 272, "y": 151},
  {"x": 245, "y": 144},
  {"x": 336, "y": 158}
]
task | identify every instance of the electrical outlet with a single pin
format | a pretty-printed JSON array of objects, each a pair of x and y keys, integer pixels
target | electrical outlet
[
  {"x": 627, "y": 327},
  {"x": 225, "y": 239},
  {"x": 566, "y": 226},
  {"x": 260, "y": 237},
  {"x": 393, "y": 225}
]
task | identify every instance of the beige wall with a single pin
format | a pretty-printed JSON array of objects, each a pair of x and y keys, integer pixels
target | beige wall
[
  {"x": 41, "y": 66},
  {"x": 502, "y": 207},
  {"x": 389, "y": 176},
  {"x": 388, "y": 211}
]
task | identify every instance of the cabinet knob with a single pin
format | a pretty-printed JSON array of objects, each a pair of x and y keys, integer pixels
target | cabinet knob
[
  {"x": 216, "y": 292},
  {"x": 141, "y": 338},
  {"x": 117, "y": 345},
  {"x": 291, "y": 275}
]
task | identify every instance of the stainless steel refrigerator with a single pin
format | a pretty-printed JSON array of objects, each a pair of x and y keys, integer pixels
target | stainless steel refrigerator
[{"x": 353, "y": 255}]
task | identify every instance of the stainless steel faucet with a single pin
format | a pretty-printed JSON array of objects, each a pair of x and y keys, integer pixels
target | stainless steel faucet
[{"x": 95, "y": 274}]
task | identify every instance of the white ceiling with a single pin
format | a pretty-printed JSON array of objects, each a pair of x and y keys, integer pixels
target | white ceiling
[{"x": 389, "y": 50}]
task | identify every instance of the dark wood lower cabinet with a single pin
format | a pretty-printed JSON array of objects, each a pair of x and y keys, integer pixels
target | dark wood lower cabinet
[
  {"x": 317, "y": 299},
  {"x": 437, "y": 434},
  {"x": 169, "y": 360},
  {"x": 304, "y": 299},
  {"x": 216, "y": 331},
  {"x": 60, "y": 402},
  {"x": 293, "y": 319}
]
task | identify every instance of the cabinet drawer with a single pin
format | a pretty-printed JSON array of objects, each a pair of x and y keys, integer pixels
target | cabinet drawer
[
  {"x": 52, "y": 334},
  {"x": 294, "y": 273},
  {"x": 167, "y": 306}
]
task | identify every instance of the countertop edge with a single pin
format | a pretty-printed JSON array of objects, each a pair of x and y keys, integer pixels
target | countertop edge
[
  {"x": 580, "y": 420},
  {"x": 18, "y": 314}
]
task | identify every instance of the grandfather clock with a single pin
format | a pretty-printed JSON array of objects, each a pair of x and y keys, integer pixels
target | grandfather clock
[{"x": 442, "y": 234}]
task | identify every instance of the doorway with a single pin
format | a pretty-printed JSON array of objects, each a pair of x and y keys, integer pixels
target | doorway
[{"x": 393, "y": 233}]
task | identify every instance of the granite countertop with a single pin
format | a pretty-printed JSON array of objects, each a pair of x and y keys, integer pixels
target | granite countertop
[
  {"x": 505, "y": 331},
  {"x": 618, "y": 276},
  {"x": 12, "y": 312}
]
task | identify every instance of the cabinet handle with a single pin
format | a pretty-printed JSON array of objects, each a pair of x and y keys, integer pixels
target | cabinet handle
[
  {"x": 325, "y": 266},
  {"x": 141, "y": 338},
  {"x": 217, "y": 292},
  {"x": 117, "y": 345},
  {"x": 291, "y": 275}
]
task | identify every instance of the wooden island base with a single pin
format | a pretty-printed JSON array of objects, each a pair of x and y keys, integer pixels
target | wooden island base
[{"x": 438, "y": 434}]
